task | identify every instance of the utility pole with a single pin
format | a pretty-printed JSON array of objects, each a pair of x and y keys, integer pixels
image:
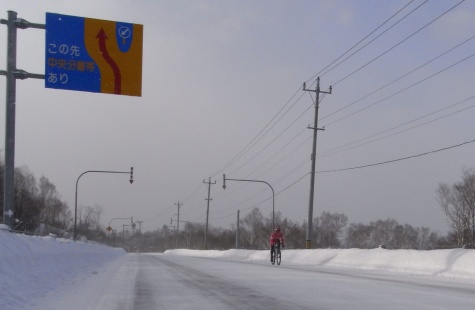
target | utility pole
[
  {"x": 178, "y": 224},
  {"x": 207, "y": 210},
  {"x": 237, "y": 231},
  {"x": 171, "y": 223},
  {"x": 317, "y": 91},
  {"x": 140, "y": 226}
]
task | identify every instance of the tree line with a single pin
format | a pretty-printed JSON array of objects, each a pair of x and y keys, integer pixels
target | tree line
[
  {"x": 39, "y": 209},
  {"x": 331, "y": 230}
]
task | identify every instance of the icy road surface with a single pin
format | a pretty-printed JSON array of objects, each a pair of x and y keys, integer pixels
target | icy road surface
[{"x": 159, "y": 281}]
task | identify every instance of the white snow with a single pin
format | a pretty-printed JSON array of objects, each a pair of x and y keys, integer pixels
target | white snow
[{"x": 35, "y": 269}]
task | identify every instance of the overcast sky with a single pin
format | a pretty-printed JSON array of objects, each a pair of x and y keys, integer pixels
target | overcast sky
[{"x": 221, "y": 93}]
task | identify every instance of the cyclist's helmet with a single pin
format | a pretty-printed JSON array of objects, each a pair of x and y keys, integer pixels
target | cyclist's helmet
[{"x": 277, "y": 229}]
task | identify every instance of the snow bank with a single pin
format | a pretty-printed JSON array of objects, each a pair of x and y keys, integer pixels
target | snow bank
[
  {"x": 31, "y": 266},
  {"x": 455, "y": 263}
]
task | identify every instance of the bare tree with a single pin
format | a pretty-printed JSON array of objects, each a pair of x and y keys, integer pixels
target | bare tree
[
  {"x": 54, "y": 212},
  {"x": 458, "y": 204},
  {"x": 329, "y": 228},
  {"x": 26, "y": 209},
  {"x": 253, "y": 230},
  {"x": 358, "y": 236},
  {"x": 89, "y": 221}
]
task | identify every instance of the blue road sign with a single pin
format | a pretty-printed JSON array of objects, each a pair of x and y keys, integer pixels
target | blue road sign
[{"x": 92, "y": 55}]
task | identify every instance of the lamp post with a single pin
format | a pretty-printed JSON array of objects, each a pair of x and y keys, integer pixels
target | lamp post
[
  {"x": 174, "y": 229},
  {"x": 131, "y": 180},
  {"x": 109, "y": 228},
  {"x": 273, "y": 195},
  {"x": 189, "y": 223}
]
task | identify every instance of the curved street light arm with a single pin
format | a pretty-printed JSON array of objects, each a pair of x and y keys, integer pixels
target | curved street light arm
[
  {"x": 257, "y": 181},
  {"x": 131, "y": 180}
]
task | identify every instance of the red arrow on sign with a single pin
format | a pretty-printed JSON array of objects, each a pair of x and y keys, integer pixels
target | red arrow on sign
[{"x": 101, "y": 35}]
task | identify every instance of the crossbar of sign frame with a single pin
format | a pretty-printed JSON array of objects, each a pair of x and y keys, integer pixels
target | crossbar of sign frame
[{"x": 93, "y": 55}]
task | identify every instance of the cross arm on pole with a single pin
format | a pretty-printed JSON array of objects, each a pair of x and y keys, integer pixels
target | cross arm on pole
[
  {"x": 23, "y": 24},
  {"x": 23, "y": 75}
]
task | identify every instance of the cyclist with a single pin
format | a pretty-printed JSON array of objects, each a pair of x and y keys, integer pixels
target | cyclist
[{"x": 276, "y": 237}]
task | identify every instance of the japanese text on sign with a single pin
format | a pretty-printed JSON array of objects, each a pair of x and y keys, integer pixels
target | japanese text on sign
[{"x": 81, "y": 54}]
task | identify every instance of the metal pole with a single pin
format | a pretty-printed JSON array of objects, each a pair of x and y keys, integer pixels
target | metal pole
[
  {"x": 207, "y": 210},
  {"x": 207, "y": 214},
  {"x": 237, "y": 231},
  {"x": 12, "y": 74},
  {"x": 131, "y": 180},
  {"x": 257, "y": 181},
  {"x": 120, "y": 218},
  {"x": 308, "y": 242},
  {"x": 189, "y": 240},
  {"x": 8, "y": 186},
  {"x": 171, "y": 222},
  {"x": 317, "y": 91},
  {"x": 178, "y": 224}
]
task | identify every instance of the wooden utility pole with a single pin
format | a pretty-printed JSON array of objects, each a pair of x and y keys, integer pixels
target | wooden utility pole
[
  {"x": 317, "y": 91},
  {"x": 207, "y": 210},
  {"x": 177, "y": 224}
]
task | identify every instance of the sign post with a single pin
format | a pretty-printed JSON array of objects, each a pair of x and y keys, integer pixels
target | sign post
[
  {"x": 12, "y": 74},
  {"x": 82, "y": 54}
]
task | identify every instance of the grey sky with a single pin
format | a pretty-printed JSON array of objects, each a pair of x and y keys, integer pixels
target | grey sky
[{"x": 215, "y": 73}]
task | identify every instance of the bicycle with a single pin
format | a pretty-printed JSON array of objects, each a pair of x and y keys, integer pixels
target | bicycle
[{"x": 276, "y": 256}]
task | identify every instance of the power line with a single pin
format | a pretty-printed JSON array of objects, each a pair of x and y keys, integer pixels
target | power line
[
  {"x": 159, "y": 214},
  {"x": 401, "y": 77},
  {"x": 402, "y": 90},
  {"x": 354, "y": 168},
  {"x": 342, "y": 55},
  {"x": 342, "y": 148},
  {"x": 399, "y": 159},
  {"x": 256, "y": 139},
  {"x": 273, "y": 140},
  {"x": 249, "y": 175},
  {"x": 396, "y": 45},
  {"x": 261, "y": 134},
  {"x": 261, "y": 202},
  {"x": 377, "y": 36},
  {"x": 194, "y": 193}
]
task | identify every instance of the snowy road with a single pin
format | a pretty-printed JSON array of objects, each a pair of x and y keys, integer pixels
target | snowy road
[{"x": 141, "y": 281}]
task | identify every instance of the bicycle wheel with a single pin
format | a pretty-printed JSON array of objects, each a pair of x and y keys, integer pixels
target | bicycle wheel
[
  {"x": 277, "y": 256},
  {"x": 273, "y": 256}
]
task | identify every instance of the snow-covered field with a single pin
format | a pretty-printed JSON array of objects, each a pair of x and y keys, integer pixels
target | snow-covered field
[{"x": 31, "y": 268}]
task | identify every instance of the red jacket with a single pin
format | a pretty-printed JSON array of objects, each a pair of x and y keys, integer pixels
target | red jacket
[{"x": 277, "y": 237}]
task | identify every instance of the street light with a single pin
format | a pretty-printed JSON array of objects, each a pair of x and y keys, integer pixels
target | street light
[
  {"x": 176, "y": 242},
  {"x": 273, "y": 195},
  {"x": 131, "y": 180},
  {"x": 109, "y": 228},
  {"x": 174, "y": 230}
]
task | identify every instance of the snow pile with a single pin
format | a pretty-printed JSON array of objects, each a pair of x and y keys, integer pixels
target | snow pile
[
  {"x": 34, "y": 267},
  {"x": 455, "y": 263},
  {"x": 31, "y": 266}
]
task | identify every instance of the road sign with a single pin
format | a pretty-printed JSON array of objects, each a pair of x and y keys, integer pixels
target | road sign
[{"x": 93, "y": 55}]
